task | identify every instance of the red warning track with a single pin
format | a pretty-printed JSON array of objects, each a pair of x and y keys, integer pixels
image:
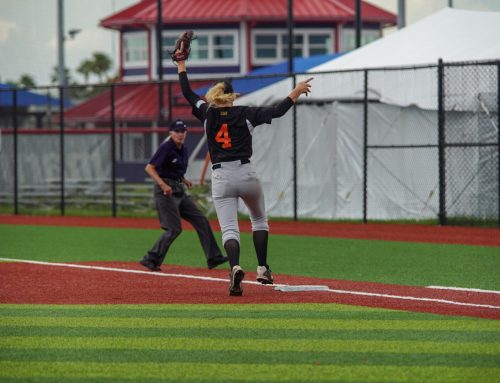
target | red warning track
[
  {"x": 373, "y": 231},
  {"x": 23, "y": 283}
]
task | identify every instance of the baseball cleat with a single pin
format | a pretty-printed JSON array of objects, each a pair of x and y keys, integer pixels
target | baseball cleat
[
  {"x": 235, "y": 277},
  {"x": 149, "y": 264},
  {"x": 213, "y": 263},
  {"x": 264, "y": 275}
]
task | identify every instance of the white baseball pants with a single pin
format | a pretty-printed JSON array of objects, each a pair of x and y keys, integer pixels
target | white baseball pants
[{"x": 233, "y": 180}]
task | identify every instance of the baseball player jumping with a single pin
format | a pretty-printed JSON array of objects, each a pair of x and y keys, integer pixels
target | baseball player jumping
[{"x": 229, "y": 134}]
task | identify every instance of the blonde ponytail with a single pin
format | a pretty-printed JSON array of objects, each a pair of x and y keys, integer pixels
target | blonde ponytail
[{"x": 216, "y": 96}]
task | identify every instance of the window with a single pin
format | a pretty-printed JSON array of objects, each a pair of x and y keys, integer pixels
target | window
[
  {"x": 199, "y": 49},
  {"x": 266, "y": 46},
  {"x": 318, "y": 44},
  {"x": 168, "y": 45},
  {"x": 348, "y": 39},
  {"x": 298, "y": 46},
  {"x": 135, "y": 48},
  {"x": 271, "y": 46},
  {"x": 223, "y": 47},
  {"x": 209, "y": 47}
]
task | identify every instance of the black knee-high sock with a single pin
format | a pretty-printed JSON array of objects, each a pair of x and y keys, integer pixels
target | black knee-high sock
[
  {"x": 260, "y": 243},
  {"x": 232, "y": 247}
]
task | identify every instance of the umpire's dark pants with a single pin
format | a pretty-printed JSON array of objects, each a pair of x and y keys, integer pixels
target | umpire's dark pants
[{"x": 170, "y": 211}]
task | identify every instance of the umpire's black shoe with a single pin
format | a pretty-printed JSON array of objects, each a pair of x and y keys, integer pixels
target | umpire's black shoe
[
  {"x": 149, "y": 264},
  {"x": 214, "y": 262}
]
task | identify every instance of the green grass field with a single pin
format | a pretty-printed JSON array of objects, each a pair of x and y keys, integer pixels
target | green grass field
[
  {"x": 251, "y": 343},
  {"x": 403, "y": 263}
]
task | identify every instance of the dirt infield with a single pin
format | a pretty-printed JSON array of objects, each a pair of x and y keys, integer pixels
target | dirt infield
[
  {"x": 372, "y": 231},
  {"x": 129, "y": 283}
]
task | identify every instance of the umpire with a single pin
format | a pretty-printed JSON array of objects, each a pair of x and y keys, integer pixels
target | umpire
[{"x": 167, "y": 168}]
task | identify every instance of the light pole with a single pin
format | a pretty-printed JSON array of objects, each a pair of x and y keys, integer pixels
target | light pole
[
  {"x": 290, "y": 36},
  {"x": 401, "y": 14},
  {"x": 61, "y": 38},
  {"x": 358, "y": 23},
  {"x": 61, "y": 78}
]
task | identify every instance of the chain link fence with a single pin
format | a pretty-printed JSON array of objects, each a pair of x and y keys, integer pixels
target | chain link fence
[
  {"x": 471, "y": 143},
  {"x": 427, "y": 151}
]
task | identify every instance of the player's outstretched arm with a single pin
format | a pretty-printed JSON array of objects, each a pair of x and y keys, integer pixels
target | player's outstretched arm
[
  {"x": 187, "y": 92},
  {"x": 181, "y": 66},
  {"x": 302, "y": 87},
  {"x": 285, "y": 105}
]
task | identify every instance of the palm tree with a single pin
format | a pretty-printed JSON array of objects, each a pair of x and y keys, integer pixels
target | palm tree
[
  {"x": 102, "y": 64},
  {"x": 86, "y": 68}
]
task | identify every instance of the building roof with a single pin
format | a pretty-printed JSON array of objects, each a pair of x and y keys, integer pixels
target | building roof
[
  {"x": 133, "y": 102},
  {"x": 220, "y": 11},
  {"x": 26, "y": 98}
]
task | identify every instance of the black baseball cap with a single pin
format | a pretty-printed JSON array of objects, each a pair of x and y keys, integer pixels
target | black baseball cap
[
  {"x": 178, "y": 126},
  {"x": 228, "y": 87}
]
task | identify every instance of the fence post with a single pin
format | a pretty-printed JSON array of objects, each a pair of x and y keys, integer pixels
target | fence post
[
  {"x": 16, "y": 178},
  {"x": 295, "y": 181},
  {"x": 170, "y": 102},
  {"x": 61, "y": 146},
  {"x": 441, "y": 142},
  {"x": 113, "y": 152},
  {"x": 498, "y": 134},
  {"x": 365, "y": 148}
]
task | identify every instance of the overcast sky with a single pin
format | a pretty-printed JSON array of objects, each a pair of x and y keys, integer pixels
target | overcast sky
[{"x": 28, "y": 31}]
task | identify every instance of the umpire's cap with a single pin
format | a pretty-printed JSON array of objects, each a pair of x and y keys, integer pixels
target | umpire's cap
[{"x": 178, "y": 126}]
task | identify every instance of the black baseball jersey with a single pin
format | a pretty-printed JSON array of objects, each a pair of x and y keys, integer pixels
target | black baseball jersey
[{"x": 229, "y": 129}]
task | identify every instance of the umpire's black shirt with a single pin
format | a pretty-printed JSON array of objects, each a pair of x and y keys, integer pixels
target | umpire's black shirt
[{"x": 170, "y": 161}]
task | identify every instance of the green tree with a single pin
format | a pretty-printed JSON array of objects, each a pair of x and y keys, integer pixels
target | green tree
[
  {"x": 102, "y": 64},
  {"x": 86, "y": 68},
  {"x": 26, "y": 81}
]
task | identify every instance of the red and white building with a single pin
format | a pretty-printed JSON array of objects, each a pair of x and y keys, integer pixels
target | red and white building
[{"x": 236, "y": 36}]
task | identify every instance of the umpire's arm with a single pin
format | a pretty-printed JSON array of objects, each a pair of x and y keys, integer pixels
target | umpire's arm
[{"x": 151, "y": 170}]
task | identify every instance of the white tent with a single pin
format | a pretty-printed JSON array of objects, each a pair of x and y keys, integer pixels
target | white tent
[
  {"x": 401, "y": 183},
  {"x": 450, "y": 34}
]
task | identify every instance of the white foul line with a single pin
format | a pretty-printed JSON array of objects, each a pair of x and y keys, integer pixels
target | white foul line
[
  {"x": 72, "y": 265},
  {"x": 464, "y": 289},
  {"x": 409, "y": 298},
  {"x": 188, "y": 276}
]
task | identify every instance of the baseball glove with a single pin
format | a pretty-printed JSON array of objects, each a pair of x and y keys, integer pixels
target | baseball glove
[{"x": 182, "y": 46}]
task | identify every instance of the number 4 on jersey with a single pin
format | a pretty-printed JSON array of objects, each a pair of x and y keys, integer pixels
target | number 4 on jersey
[{"x": 223, "y": 137}]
